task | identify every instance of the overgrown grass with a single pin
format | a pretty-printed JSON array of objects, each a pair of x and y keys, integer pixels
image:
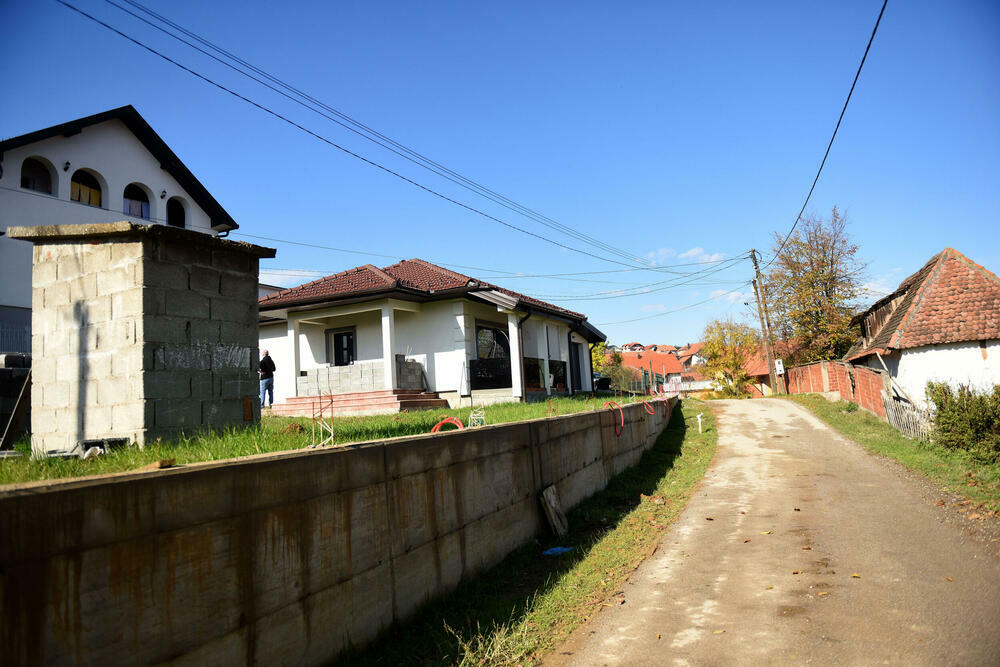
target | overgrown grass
[
  {"x": 274, "y": 435},
  {"x": 955, "y": 470},
  {"x": 524, "y": 607}
]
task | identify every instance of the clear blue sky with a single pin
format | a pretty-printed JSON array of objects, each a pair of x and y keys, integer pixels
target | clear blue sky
[{"x": 660, "y": 128}]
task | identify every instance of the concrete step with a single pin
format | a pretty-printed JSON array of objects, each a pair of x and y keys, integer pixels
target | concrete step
[{"x": 372, "y": 402}]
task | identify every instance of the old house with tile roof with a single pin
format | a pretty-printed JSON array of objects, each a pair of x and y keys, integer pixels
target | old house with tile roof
[
  {"x": 415, "y": 334},
  {"x": 941, "y": 324}
]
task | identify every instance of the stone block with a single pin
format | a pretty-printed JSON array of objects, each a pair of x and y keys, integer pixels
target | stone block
[
  {"x": 222, "y": 411},
  {"x": 128, "y": 303},
  {"x": 68, "y": 264},
  {"x": 227, "y": 260},
  {"x": 55, "y": 395},
  {"x": 131, "y": 416},
  {"x": 161, "y": 274},
  {"x": 177, "y": 413},
  {"x": 182, "y": 357},
  {"x": 204, "y": 280},
  {"x": 185, "y": 254},
  {"x": 112, "y": 281},
  {"x": 206, "y": 332},
  {"x": 239, "y": 333},
  {"x": 56, "y": 295},
  {"x": 183, "y": 303},
  {"x": 233, "y": 311},
  {"x": 164, "y": 329},
  {"x": 44, "y": 274},
  {"x": 242, "y": 287},
  {"x": 125, "y": 252},
  {"x": 96, "y": 258},
  {"x": 112, "y": 390}
]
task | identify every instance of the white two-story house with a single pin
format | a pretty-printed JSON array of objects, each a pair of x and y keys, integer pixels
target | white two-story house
[{"x": 103, "y": 168}]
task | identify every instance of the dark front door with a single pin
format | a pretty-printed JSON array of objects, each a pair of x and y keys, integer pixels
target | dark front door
[
  {"x": 574, "y": 366},
  {"x": 342, "y": 344}
]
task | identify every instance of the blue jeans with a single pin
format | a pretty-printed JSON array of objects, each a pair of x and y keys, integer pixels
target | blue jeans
[{"x": 266, "y": 387}]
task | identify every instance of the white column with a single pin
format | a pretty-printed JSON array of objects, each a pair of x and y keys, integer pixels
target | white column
[
  {"x": 291, "y": 386},
  {"x": 388, "y": 337},
  {"x": 516, "y": 356},
  {"x": 544, "y": 348}
]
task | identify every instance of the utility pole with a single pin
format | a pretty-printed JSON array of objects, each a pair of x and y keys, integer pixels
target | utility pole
[{"x": 765, "y": 324}]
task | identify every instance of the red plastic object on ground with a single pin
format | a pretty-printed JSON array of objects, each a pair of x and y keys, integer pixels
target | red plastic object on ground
[
  {"x": 448, "y": 420},
  {"x": 621, "y": 416}
]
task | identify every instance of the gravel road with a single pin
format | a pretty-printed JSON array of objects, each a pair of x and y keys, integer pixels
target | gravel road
[{"x": 799, "y": 547}]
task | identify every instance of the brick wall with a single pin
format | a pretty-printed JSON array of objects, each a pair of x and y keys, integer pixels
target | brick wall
[
  {"x": 854, "y": 383},
  {"x": 139, "y": 332}
]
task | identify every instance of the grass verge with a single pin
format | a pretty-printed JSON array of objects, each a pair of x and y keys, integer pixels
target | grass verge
[
  {"x": 526, "y": 606},
  {"x": 275, "y": 434},
  {"x": 954, "y": 470}
]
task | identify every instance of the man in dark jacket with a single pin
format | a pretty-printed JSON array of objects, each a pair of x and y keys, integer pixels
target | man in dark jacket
[{"x": 266, "y": 370}]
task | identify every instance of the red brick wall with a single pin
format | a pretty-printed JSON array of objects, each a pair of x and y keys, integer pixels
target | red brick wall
[{"x": 866, "y": 389}]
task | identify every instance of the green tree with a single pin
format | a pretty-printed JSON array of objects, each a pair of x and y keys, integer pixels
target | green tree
[
  {"x": 813, "y": 288},
  {"x": 600, "y": 358},
  {"x": 729, "y": 345}
]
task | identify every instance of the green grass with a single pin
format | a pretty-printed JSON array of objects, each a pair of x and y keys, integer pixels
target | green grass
[
  {"x": 955, "y": 471},
  {"x": 272, "y": 436},
  {"x": 526, "y": 606}
]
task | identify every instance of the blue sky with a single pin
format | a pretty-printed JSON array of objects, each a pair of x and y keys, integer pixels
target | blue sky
[{"x": 676, "y": 131}]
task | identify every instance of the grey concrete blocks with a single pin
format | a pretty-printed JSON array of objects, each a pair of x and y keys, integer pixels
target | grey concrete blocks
[{"x": 130, "y": 325}]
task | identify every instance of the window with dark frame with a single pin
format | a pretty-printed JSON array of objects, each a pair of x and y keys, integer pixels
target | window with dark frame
[
  {"x": 35, "y": 176},
  {"x": 491, "y": 342},
  {"x": 135, "y": 203}
]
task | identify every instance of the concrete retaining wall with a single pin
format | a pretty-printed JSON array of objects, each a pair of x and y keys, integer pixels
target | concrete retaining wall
[{"x": 284, "y": 558}]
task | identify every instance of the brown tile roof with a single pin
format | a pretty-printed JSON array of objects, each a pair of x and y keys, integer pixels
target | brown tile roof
[
  {"x": 413, "y": 275},
  {"x": 951, "y": 299},
  {"x": 663, "y": 362}
]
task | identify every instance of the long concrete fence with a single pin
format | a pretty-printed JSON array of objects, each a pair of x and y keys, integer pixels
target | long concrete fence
[{"x": 285, "y": 558}]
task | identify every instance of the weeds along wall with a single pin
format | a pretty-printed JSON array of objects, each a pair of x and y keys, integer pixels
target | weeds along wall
[
  {"x": 854, "y": 383},
  {"x": 285, "y": 558}
]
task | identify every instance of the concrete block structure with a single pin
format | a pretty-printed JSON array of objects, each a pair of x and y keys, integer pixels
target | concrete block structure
[{"x": 139, "y": 332}]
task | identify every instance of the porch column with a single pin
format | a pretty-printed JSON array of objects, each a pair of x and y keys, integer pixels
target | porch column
[
  {"x": 388, "y": 338},
  {"x": 292, "y": 388},
  {"x": 516, "y": 355},
  {"x": 544, "y": 354}
]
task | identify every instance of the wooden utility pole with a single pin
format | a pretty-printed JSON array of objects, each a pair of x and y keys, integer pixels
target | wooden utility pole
[{"x": 765, "y": 323}]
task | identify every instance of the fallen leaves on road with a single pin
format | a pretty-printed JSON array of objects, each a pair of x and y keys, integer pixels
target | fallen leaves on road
[
  {"x": 797, "y": 509},
  {"x": 708, "y": 518},
  {"x": 975, "y": 516},
  {"x": 657, "y": 635},
  {"x": 767, "y": 588},
  {"x": 766, "y": 532},
  {"x": 948, "y": 579},
  {"x": 940, "y": 503},
  {"x": 796, "y": 571},
  {"x": 807, "y": 548},
  {"x": 719, "y": 632},
  {"x": 746, "y": 540},
  {"x": 855, "y": 575},
  {"x": 822, "y": 593}
]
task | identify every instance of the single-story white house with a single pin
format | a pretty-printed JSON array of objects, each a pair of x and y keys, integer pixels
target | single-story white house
[
  {"x": 415, "y": 334},
  {"x": 941, "y": 324}
]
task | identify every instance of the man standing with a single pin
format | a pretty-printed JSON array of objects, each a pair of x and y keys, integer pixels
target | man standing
[{"x": 266, "y": 371}]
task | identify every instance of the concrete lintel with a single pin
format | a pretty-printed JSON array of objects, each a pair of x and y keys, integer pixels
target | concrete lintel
[{"x": 42, "y": 234}]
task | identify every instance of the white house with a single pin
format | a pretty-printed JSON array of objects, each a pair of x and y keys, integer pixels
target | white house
[
  {"x": 103, "y": 168},
  {"x": 941, "y": 324},
  {"x": 375, "y": 338}
]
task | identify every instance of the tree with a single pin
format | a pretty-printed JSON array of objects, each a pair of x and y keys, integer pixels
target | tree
[
  {"x": 729, "y": 345},
  {"x": 600, "y": 359},
  {"x": 813, "y": 286}
]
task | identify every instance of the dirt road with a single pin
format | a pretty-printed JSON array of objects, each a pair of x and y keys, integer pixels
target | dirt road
[{"x": 800, "y": 547}]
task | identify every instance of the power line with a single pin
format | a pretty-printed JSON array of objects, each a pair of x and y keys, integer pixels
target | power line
[
  {"x": 675, "y": 310},
  {"x": 857, "y": 75},
  {"x": 332, "y": 143},
  {"x": 368, "y": 133}
]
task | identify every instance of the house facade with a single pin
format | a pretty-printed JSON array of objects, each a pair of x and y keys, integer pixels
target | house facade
[
  {"x": 103, "y": 168},
  {"x": 418, "y": 327},
  {"x": 941, "y": 324}
]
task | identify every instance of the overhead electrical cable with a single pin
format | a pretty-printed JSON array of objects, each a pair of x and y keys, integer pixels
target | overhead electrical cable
[
  {"x": 332, "y": 143},
  {"x": 368, "y": 133},
  {"x": 675, "y": 310},
  {"x": 857, "y": 75}
]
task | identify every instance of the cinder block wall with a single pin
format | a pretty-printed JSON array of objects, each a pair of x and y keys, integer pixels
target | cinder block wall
[
  {"x": 140, "y": 332},
  {"x": 360, "y": 376},
  {"x": 285, "y": 558}
]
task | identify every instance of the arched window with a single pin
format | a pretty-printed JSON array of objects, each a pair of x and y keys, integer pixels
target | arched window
[
  {"x": 175, "y": 213},
  {"x": 136, "y": 202},
  {"x": 36, "y": 176},
  {"x": 85, "y": 189}
]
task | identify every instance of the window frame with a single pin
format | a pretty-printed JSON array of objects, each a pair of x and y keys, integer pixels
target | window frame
[{"x": 329, "y": 339}]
